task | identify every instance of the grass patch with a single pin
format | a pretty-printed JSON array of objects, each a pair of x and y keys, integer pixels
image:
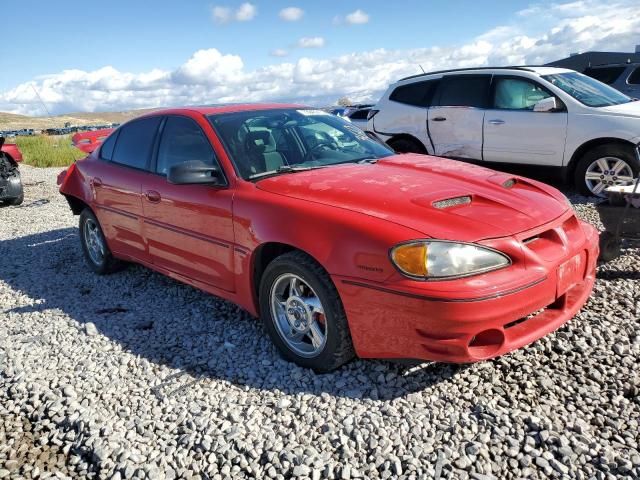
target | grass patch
[{"x": 48, "y": 151}]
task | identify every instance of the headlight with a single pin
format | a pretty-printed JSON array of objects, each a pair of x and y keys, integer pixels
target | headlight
[{"x": 437, "y": 259}]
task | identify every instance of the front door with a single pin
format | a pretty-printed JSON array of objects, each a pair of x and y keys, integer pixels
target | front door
[
  {"x": 514, "y": 133},
  {"x": 455, "y": 121},
  {"x": 188, "y": 228}
]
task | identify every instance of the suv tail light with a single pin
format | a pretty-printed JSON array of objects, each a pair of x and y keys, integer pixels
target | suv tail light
[{"x": 372, "y": 113}]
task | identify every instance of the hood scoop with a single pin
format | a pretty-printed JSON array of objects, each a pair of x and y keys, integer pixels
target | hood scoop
[{"x": 452, "y": 202}]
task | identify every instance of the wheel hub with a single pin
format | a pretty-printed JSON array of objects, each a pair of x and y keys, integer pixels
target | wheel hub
[{"x": 298, "y": 314}]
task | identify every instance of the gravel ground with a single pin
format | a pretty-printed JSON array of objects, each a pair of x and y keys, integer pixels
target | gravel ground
[{"x": 136, "y": 376}]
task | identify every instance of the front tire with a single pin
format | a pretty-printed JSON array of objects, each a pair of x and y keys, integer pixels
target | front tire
[
  {"x": 94, "y": 245},
  {"x": 605, "y": 166},
  {"x": 302, "y": 312}
]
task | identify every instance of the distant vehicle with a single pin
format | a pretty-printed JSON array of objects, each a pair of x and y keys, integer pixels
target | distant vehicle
[
  {"x": 544, "y": 116},
  {"x": 89, "y": 141},
  {"x": 340, "y": 246},
  {"x": 11, "y": 191},
  {"x": 622, "y": 76},
  {"x": 359, "y": 117}
]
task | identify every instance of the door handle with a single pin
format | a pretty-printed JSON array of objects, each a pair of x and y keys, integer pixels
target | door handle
[
  {"x": 439, "y": 119},
  {"x": 96, "y": 182},
  {"x": 496, "y": 122},
  {"x": 152, "y": 196}
]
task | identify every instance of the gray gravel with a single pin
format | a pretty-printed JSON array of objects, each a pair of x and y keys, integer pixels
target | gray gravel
[{"x": 137, "y": 376}]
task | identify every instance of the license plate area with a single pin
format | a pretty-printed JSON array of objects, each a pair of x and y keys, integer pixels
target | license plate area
[{"x": 570, "y": 273}]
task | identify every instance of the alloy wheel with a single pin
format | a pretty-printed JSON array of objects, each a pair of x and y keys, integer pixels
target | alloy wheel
[
  {"x": 605, "y": 172},
  {"x": 298, "y": 315},
  {"x": 94, "y": 241}
]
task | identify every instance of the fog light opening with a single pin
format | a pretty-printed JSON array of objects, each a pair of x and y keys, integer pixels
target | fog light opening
[{"x": 486, "y": 343}]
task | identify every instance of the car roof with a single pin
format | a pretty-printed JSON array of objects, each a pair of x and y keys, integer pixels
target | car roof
[
  {"x": 223, "y": 108},
  {"x": 540, "y": 70}
]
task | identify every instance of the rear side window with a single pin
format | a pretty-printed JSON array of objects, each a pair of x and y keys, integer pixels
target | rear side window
[
  {"x": 464, "y": 91},
  {"x": 360, "y": 114},
  {"x": 606, "y": 75},
  {"x": 634, "y": 78},
  {"x": 418, "y": 94},
  {"x": 182, "y": 140},
  {"x": 135, "y": 142},
  {"x": 106, "y": 150}
]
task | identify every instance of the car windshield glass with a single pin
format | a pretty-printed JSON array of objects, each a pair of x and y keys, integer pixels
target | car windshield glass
[
  {"x": 587, "y": 90},
  {"x": 290, "y": 140}
]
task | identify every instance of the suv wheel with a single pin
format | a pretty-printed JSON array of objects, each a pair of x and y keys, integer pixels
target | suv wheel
[
  {"x": 303, "y": 314},
  {"x": 605, "y": 166}
]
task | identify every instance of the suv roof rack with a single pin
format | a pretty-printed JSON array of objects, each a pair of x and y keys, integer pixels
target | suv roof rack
[{"x": 515, "y": 67}]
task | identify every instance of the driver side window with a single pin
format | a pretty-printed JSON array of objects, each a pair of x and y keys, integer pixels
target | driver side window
[
  {"x": 182, "y": 140},
  {"x": 517, "y": 94}
]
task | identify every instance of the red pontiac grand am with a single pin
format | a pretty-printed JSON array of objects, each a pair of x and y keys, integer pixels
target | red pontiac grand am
[{"x": 341, "y": 247}]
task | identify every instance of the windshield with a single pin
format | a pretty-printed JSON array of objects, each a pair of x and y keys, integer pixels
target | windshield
[
  {"x": 587, "y": 90},
  {"x": 279, "y": 141}
]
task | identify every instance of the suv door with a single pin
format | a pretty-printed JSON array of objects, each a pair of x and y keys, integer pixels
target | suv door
[
  {"x": 514, "y": 133},
  {"x": 455, "y": 120},
  {"x": 116, "y": 185},
  {"x": 405, "y": 112},
  {"x": 188, "y": 228}
]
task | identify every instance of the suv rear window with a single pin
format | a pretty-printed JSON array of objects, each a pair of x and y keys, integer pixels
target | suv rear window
[
  {"x": 135, "y": 141},
  {"x": 418, "y": 94},
  {"x": 606, "y": 75},
  {"x": 464, "y": 91}
]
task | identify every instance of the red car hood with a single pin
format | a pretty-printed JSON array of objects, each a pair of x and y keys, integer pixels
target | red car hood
[{"x": 403, "y": 188}]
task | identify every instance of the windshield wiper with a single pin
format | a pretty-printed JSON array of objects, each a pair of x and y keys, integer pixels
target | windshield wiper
[{"x": 284, "y": 169}]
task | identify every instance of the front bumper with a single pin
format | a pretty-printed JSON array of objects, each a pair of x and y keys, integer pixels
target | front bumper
[{"x": 468, "y": 324}]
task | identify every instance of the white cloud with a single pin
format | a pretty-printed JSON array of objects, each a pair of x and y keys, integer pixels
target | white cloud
[
  {"x": 357, "y": 18},
  {"x": 211, "y": 76},
  {"x": 221, "y": 15},
  {"x": 246, "y": 12},
  {"x": 291, "y": 14},
  {"x": 311, "y": 42},
  {"x": 243, "y": 13},
  {"x": 279, "y": 52}
]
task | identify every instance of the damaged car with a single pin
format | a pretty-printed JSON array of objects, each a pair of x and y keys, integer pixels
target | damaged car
[
  {"x": 11, "y": 190},
  {"x": 341, "y": 246}
]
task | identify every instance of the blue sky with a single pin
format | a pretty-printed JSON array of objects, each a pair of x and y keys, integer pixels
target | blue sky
[{"x": 126, "y": 47}]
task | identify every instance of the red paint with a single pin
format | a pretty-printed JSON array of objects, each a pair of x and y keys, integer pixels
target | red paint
[
  {"x": 89, "y": 141},
  {"x": 347, "y": 218},
  {"x": 13, "y": 151}
]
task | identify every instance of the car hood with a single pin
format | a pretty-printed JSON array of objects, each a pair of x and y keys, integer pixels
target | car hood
[
  {"x": 630, "y": 109},
  {"x": 403, "y": 188}
]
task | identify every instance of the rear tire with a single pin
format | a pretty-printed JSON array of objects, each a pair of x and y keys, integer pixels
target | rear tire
[
  {"x": 407, "y": 145},
  {"x": 616, "y": 160},
  {"x": 287, "y": 318},
  {"x": 94, "y": 246}
]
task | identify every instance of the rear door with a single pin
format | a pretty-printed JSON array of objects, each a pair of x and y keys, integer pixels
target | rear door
[
  {"x": 405, "y": 112},
  {"x": 455, "y": 121},
  {"x": 188, "y": 228},
  {"x": 514, "y": 133},
  {"x": 116, "y": 185}
]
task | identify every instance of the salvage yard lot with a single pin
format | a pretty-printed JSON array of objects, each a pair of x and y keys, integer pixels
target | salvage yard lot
[{"x": 137, "y": 374}]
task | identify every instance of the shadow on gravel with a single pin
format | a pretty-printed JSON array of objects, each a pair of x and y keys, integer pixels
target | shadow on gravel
[{"x": 172, "y": 324}]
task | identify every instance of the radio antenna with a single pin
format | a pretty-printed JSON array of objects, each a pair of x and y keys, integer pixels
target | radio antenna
[{"x": 40, "y": 98}]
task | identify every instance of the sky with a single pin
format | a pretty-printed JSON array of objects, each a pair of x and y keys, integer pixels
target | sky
[{"x": 108, "y": 56}]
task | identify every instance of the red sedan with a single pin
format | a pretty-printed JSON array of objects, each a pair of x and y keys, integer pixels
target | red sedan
[{"x": 341, "y": 247}]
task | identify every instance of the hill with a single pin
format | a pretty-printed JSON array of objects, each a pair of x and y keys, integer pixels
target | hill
[{"x": 11, "y": 121}]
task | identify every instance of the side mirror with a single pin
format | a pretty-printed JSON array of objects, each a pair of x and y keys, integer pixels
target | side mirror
[
  {"x": 194, "y": 172},
  {"x": 548, "y": 104}
]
